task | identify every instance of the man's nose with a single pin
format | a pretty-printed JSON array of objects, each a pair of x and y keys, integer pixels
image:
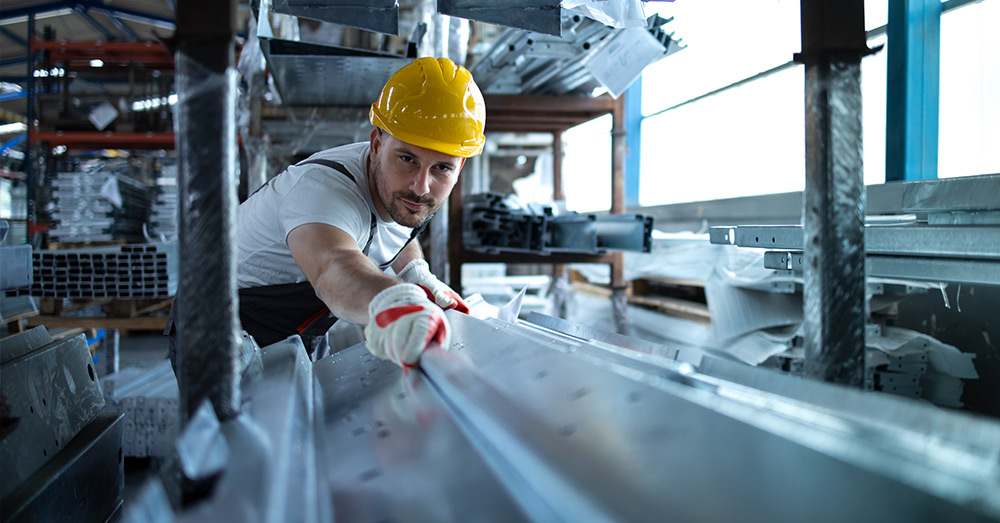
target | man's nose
[{"x": 420, "y": 185}]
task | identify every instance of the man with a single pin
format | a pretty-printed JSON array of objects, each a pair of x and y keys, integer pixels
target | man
[{"x": 315, "y": 241}]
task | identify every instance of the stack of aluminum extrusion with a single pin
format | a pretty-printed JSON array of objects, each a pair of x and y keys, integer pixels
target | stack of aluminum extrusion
[
  {"x": 128, "y": 271},
  {"x": 97, "y": 206},
  {"x": 60, "y": 455},
  {"x": 495, "y": 223},
  {"x": 148, "y": 398}
]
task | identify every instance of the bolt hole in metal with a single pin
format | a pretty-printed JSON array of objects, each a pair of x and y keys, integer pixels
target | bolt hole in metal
[
  {"x": 32, "y": 409},
  {"x": 57, "y": 443},
  {"x": 90, "y": 370},
  {"x": 44, "y": 403},
  {"x": 45, "y": 452},
  {"x": 370, "y": 474}
]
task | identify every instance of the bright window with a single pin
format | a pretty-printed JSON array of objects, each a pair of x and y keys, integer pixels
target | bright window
[{"x": 969, "y": 121}]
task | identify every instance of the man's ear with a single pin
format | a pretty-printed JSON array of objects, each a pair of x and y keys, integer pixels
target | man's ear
[{"x": 375, "y": 139}]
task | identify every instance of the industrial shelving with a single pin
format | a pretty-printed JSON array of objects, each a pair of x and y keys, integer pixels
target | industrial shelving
[{"x": 545, "y": 114}]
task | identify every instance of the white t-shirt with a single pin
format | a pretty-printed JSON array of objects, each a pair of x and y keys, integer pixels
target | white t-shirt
[{"x": 310, "y": 194}]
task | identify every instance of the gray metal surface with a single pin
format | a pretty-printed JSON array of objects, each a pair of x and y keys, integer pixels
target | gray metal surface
[
  {"x": 23, "y": 343},
  {"x": 600, "y": 432},
  {"x": 779, "y": 208},
  {"x": 677, "y": 352},
  {"x": 972, "y": 193},
  {"x": 541, "y": 16},
  {"x": 625, "y": 232},
  {"x": 393, "y": 452},
  {"x": 956, "y": 241},
  {"x": 381, "y": 16},
  {"x": 83, "y": 482},
  {"x": 51, "y": 393},
  {"x": 16, "y": 263},
  {"x": 319, "y": 75},
  {"x": 955, "y": 270}
]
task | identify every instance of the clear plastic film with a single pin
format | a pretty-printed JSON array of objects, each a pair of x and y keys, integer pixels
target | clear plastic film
[
  {"x": 206, "y": 305},
  {"x": 629, "y": 13},
  {"x": 253, "y": 83}
]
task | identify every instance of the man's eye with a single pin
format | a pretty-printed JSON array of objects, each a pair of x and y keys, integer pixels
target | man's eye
[{"x": 406, "y": 159}]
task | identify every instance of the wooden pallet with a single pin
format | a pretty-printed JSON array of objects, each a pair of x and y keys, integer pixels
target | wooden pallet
[
  {"x": 121, "y": 315},
  {"x": 58, "y": 246}
]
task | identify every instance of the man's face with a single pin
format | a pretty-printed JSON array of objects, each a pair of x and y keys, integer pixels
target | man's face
[{"x": 409, "y": 183}]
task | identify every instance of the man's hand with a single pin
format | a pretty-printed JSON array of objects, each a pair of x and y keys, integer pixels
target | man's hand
[
  {"x": 402, "y": 322},
  {"x": 418, "y": 272}
]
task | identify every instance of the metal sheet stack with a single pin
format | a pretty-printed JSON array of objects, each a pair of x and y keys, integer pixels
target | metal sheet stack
[
  {"x": 60, "y": 456},
  {"x": 127, "y": 271},
  {"x": 97, "y": 206},
  {"x": 148, "y": 397}
]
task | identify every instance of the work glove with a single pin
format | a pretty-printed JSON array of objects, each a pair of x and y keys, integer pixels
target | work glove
[
  {"x": 418, "y": 272},
  {"x": 402, "y": 322}
]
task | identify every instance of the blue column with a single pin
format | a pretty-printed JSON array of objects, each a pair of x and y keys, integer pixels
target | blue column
[
  {"x": 633, "y": 140},
  {"x": 911, "y": 137}
]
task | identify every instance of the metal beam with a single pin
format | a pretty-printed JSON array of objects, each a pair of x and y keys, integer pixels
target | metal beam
[
  {"x": 9, "y": 34},
  {"x": 833, "y": 42},
  {"x": 13, "y": 61},
  {"x": 912, "y": 91},
  {"x": 131, "y": 14},
  {"x": 633, "y": 140},
  {"x": 119, "y": 25},
  {"x": 82, "y": 12},
  {"x": 207, "y": 320}
]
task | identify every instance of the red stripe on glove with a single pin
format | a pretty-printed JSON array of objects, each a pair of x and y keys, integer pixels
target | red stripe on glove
[
  {"x": 390, "y": 315},
  {"x": 459, "y": 304},
  {"x": 436, "y": 331}
]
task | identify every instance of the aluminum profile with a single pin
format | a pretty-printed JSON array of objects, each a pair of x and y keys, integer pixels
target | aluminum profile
[
  {"x": 148, "y": 397},
  {"x": 127, "y": 271},
  {"x": 85, "y": 206}
]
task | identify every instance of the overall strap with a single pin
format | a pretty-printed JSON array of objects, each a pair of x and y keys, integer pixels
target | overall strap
[{"x": 337, "y": 166}]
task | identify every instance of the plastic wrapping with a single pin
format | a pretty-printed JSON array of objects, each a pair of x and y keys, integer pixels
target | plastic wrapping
[
  {"x": 628, "y": 13},
  {"x": 206, "y": 304},
  {"x": 254, "y": 82},
  {"x": 834, "y": 209}
]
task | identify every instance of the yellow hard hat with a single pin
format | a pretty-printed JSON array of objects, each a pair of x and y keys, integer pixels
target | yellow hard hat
[{"x": 434, "y": 104}]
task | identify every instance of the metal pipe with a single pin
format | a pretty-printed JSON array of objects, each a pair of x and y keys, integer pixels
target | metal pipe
[
  {"x": 833, "y": 42},
  {"x": 619, "y": 148},
  {"x": 207, "y": 323},
  {"x": 29, "y": 156}
]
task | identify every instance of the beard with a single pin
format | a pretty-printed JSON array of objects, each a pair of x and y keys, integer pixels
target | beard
[{"x": 391, "y": 201}]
